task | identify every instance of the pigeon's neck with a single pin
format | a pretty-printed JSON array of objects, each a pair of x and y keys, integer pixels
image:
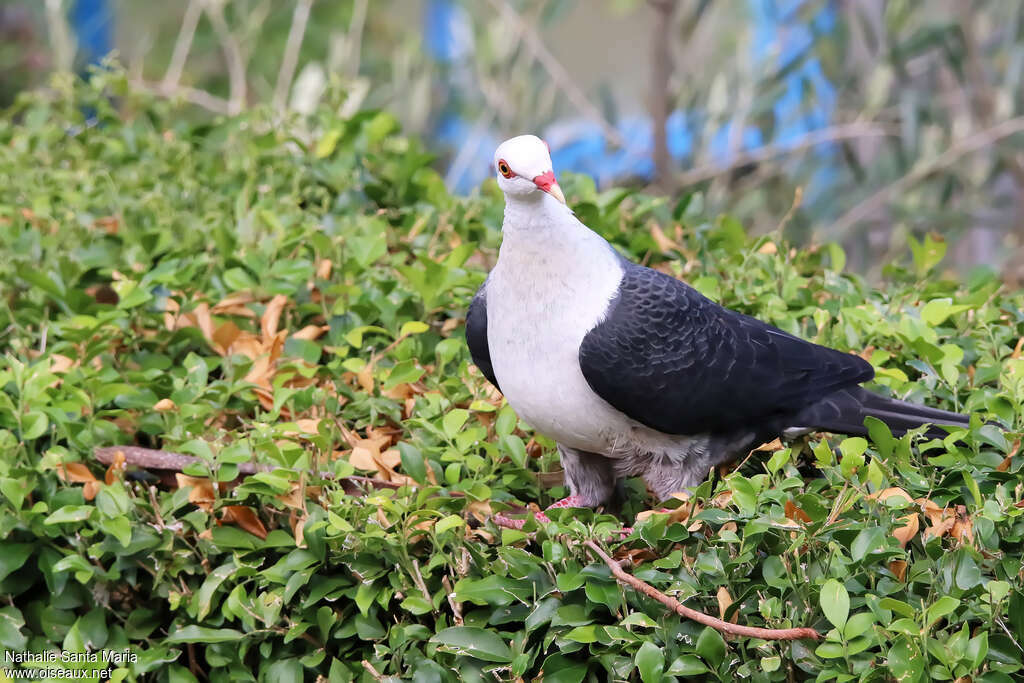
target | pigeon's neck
[
  {"x": 539, "y": 226},
  {"x": 546, "y": 253}
]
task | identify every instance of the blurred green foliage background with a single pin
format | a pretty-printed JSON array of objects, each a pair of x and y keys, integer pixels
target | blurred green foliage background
[{"x": 892, "y": 118}]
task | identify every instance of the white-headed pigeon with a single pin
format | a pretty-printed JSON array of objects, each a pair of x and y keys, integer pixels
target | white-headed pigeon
[{"x": 633, "y": 372}]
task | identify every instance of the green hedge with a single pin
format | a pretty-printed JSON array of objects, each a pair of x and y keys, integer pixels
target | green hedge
[{"x": 147, "y": 257}]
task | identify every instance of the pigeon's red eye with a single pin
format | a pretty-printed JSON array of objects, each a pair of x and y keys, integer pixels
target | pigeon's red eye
[{"x": 504, "y": 169}]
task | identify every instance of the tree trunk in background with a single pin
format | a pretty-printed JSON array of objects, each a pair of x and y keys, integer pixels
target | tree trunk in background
[{"x": 661, "y": 73}]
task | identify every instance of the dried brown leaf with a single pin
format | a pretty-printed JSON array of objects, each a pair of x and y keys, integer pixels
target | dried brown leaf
[
  {"x": 323, "y": 269},
  {"x": 225, "y": 335},
  {"x": 165, "y": 405},
  {"x": 90, "y": 489},
  {"x": 311, "y": 332},
  {"x": 60, "y": 364},
  {"x": 245, "y": 518},
  {"x": 906, "y": 533},
  {"x": 481, "y": 509},
  {"x": 898, "y": 568},
  {"x": 796, "y": 514},
  {"x": 75, "y": 472},
  {"x": 724, "y": 600},
  {"x": 204, "y": 322},
  {"x": 202, "y": 494},
  {"x": 272, "y": 316},
  {"x": 230, "y": 304},
  {"x": 664, "y": 242},
  {"x": 910, "y": 524},
  {"x": 1018, "y": 349},
  {"x": 298, "y": 525},
  {"x": 293, "y": 498},
  {"x": 963, "y": 526},
  {"x": 365, "y": 378},
  {"x": 117, "y": 468}
]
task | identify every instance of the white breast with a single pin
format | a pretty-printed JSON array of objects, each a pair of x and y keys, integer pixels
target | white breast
[{"x": 549, "y": 288}]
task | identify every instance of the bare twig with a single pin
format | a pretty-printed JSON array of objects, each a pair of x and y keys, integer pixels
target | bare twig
[
  {"x": 300, "y": 17},
  {"x": 417, "y": 577},
  {"x": 452, "y": 602},
  {"x": 959, "y": 148},
  {"x": 182, "y": 45},
  {"x": 200, "y": 98},
  {"x": 661, "y": 74},
  {"x": 168, "y": 461},
  {"x": 232, "y": 55},
  {"x": 701, "y": 618},
  {"x": 373, "y": 672},
  {"x": 156, "y": 508},
  {"x": 761, "y": 154},
  {"x": 557, "y": 72},
  {"x": 60, "y": 36}
]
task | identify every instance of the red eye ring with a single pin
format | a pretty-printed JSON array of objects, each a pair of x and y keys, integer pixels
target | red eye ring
[{"x": 504, "y": 169}]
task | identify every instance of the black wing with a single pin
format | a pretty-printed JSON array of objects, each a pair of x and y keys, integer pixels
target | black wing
[
  {"x": 476, "y": 334},
  {"x": 675, "y": 361}
]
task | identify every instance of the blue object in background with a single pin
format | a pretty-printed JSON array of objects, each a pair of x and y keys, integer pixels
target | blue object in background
[
  {"x": 781, "y": 36},
  {"x": 93, "y": 24}
]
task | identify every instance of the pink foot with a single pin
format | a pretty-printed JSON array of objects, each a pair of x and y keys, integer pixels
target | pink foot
[{"x": 509, "y": 523}]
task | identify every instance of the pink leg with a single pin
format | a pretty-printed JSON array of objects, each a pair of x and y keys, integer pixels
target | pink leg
[{"x": 508, "y": 522}]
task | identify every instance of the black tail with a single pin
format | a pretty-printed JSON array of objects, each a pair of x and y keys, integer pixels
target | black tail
[{"x": 844, "y": 412}]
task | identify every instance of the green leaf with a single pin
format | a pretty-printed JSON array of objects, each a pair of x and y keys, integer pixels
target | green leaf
[
  {"x": 474, "y": 642},
  {"x": 858, "y": 624},
  {"x": 202, "y": 634},
  {"x": 771, "y": 664},
  {"x": 904, "y": 662},
  {"x": 70, "y": 514},
  {"x": 448, "y": 523},
  {"x": 867, "y": 541},
  {"x": 936, "y": 311},
  {"x": 454, "y": 420},
  {"x": 940, "y": 608},
  {"x": 686, "y": 665},
  {"x": 650, "y": 661},
  {"x": 711, "y": 647},
  {"x": 582, "y": 634},
  {"x": 326, "y": 145},
  {"x": 34, "y": 424},
  {"x": 206, "y": 591},
  {"x": 11, "y": 623},
  {"x": 13, "y": 556},
  {"x": 835, "y": 603},
  {"x": 413, "y": 327},
  {"x": 413, "y": 463}
]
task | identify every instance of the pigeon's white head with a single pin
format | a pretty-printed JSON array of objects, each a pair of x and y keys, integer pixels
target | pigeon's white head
[{"x": 523, "y": 166}]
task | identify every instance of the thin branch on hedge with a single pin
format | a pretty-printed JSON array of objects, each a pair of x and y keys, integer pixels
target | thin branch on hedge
[
  {"x": 768, "y": 152},
  {"x": 971, "y": 143},
  {"x": 557, "y": 72},
  {"x": 168, "y": 461},
  {"x": 701, "y": 618},
  {"x": 417, "y": 578},
  {"x": 300, "y": 18},
  {"x": 373, "y": 672},
  {"x": 452, "y": 602},
  {"x": 200, "y": 98},
  {"x": 182, "y": 45}
]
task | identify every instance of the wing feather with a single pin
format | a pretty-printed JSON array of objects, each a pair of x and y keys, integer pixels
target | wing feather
[
  {"x": 476, "y": 334},
  {"x": 674, "y": 360}
]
